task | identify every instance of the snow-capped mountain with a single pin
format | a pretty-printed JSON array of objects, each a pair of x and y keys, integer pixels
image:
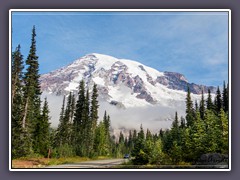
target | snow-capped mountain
[{"x": 123, "y": 84}]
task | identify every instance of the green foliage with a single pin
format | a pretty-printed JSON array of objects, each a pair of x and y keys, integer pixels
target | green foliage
[
  {"x": 203, "y": 130},
  {"x": 225, "y": 134},
  {"x": 189, "y": 109},
  {"x": 218, "y": 101},
  {"x": 63, "y": 134},
  {"x": 65, "y": 150},
  {"x": 202, "y": 106},
  {"x": 100, "y": 140},
  {"x": 42, "y": 132},
  {"x": 225, "y": 98},
  {"x": 30, "y": 127},
  {"x": 209, "y": 102}
]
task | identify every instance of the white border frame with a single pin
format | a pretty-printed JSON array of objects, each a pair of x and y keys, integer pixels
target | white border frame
[{"x": 120, "y": 10}]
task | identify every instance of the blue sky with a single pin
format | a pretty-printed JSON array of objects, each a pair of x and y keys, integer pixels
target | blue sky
[{"x": 192, "y": 43}]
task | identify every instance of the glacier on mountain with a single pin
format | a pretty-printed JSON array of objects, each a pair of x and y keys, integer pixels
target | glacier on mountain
[{"x": 131, "y": 92}]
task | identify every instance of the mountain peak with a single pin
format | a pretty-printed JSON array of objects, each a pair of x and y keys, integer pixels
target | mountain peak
[{"x": 121, "y": 81}]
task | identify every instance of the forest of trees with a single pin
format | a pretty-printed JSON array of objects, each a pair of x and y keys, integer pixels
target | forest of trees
[
  {"x": 203, "y": 130},
  {"x": 80, "y": 132}
]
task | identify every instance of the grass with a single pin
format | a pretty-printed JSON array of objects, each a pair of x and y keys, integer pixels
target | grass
[{"x": 39, "y": 162}]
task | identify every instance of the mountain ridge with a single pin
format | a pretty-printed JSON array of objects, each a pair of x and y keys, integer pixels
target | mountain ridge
[
  {"x": 112, "y": 74},
  {"x": 130, "y": 91}
]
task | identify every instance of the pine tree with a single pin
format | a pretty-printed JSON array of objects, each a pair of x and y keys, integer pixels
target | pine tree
[
  {"x": 218, "y": 101},
  {"x": 32, "y": 92},
  {"x": 175, "y": 128},
  {"x": 21, "y": 144},
  {"x": 63, "y": 131},
  {"x": 106, "y": 122},
  {"x": 224, "y": 120},
  {"x": 139, "y": 151},
  {"x": 93, "y": 115},
  {"x": 202, "y": 106},
  {"x": 161, "y": 133},
  {"x": 17, "y": 74},
  {"x": 176, "y": 152},
  {"x": 58, "y": 141},
  {"x": 225, "y": 97},
  {"x": 189, "y": 109},
  {"x": 196, "y": 106},
  {"x": 209, "y": 102},
  {"x": 198, "y": 134},
  {"x": 149, "y": 136},
  {"x": 182, "y": 123},
  {"x": 100, "y": 140},
  {"x": 42, "y": 132},
  {"x": 214, "y": 132},
  {"x": 64, "y": 134},
  {"x": 86, "y": 126},
  {"x": 121, "y": 138},
  {"x": 78, "y": 121},
  {"x": 94, "y": 107},
  {"x": 72, "y": 108},
  {"x": 130, "y": 141}
]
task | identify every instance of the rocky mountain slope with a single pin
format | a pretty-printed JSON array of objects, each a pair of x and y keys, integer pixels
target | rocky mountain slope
[
  {"x": 124, "y": 84},
  {"x": 119, "y": 81}
]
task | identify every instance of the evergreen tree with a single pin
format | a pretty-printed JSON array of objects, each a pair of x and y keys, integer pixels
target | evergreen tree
[
  {"x": 202, "y": 106},
  {"x": 189, "y": 109},
  {"x": 161, "y": 133},
  {"x": 78, "y": 121},
  {"x": 218, "y": 101},
  {"x": 64, "y": 134},
  {"x": 94, "y": 107},
  {"x": 214, "y": 133},
  {"x": 140, "y": 151},
  {"x": 41, "y": 132},
  {"x": 149, "y": 136},
  {"x": 130, "y": 141},
  {"x": 32, "y": 92},
  {"x": 93, "y": 114},
  {"x": 198, "y": 136},
  {"x": 21, "y": 142},
  {"x": 175, "y": 129},
  {"x": 17, "y": 74},
  {"x": 100, "y": 140},
  {"x": 182, "y": 123},
  {"x": 121, "y": 138},
  {"x": 86, "y": 127},
  {"x": 196, "y": 106},
  {"x": 209, "y": 102},
  {"x": 106, "y": 122},
  {"x": 63, "y": 131},
  {"x": 57, "y": 140},
  {"x": 224, "y": 120},
  {"x": 72, "y": 108},
  {"x": 225, "y": 97},
  {"x": 176, "y": 152}
]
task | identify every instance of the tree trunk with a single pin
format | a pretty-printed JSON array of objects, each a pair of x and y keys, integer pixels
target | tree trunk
[{"x": 25, "y": 114}]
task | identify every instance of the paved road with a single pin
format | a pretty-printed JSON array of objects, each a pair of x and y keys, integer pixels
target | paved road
[{"x": 91, "y": 164}]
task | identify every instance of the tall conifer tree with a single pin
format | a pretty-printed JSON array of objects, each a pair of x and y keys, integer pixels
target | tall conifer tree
[
  {"x": 189, "y": 109},
  {"x": 209, "y": 102},
  {"x": 225, "y": 97},
  {"x": 202, "y": 106},
  {"x": 32, "y": 92},
  {"x": 42, "y": 132},
  {"x": 78, "y": 120},
  {"x": 21, "y": 141},
  {"x": 218, "y": 101}
]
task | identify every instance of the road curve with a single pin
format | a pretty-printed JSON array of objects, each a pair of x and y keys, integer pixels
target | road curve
[{"x": 90, "y": 164}]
